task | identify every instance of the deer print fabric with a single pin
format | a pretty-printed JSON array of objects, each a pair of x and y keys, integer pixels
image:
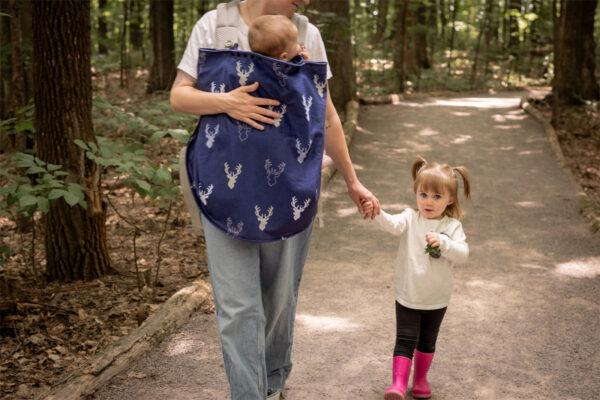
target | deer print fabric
[{"x": 260, "y": 185}]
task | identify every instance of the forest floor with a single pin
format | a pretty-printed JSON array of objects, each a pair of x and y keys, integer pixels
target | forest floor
[{"x": 54, "y": 329}]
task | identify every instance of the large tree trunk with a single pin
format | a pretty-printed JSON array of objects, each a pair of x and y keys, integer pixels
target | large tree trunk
[
  {"x": 75, "y": 238},
  {"x": 574, "y": 80},
  {"x": 162, "y": 46},
  {"x": 337, "y": 38}
]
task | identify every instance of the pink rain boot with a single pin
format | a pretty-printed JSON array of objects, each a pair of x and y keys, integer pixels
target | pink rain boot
[
  {"x": 401, "y": 373},
  {"x": 421, "y": 389}
]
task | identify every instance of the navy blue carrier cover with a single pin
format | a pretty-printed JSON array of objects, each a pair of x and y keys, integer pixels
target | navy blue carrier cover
[{"x": 258, "y": 185}]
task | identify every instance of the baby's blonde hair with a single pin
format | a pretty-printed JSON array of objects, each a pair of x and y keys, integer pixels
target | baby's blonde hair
[
  {"x": 441, "y": 178},
  {"x": 270, "y": 34}
]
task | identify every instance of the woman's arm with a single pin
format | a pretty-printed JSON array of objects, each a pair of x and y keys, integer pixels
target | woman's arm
[
  {"x": 335, "y": 145},
  {"x": 238, "y": 103}
]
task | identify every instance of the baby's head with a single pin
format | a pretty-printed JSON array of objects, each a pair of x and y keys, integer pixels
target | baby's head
[
  {"x": 274, "y": 36},
  {"x": 442, "y": 179}
]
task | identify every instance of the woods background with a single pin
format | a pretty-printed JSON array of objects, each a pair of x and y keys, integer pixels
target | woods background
[{"x": 88, "y": 164}]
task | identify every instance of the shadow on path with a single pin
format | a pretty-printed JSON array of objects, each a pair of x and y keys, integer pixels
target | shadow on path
[{"x": 525, "y": 315}]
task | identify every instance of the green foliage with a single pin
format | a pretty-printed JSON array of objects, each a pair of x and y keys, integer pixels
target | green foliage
[
  {"x": 21, "y": 123},
  {"x": 126, "y": 158},
  {"x": 42, "y": 185}
]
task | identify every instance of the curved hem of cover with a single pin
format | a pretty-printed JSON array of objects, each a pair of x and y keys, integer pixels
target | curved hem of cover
[{"x": 218, "y": 226}]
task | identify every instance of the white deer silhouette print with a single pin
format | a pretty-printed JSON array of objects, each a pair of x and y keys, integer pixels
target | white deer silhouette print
[
  {"x": 320, "y": 85},
  {"x": 213, "y": 88},
  {"x": 210, "y": 135},
  {"x": 307, "y": 102},
  {"x": 263, "y": 218},
  {"x": 299, "y": 209},
  {"x": 282, "y": 110},
  {"x": 234, "y": 231},
  {"x": 205, "y": 194},
  {"x": 302, "y": 152},
  {"x": 232, "y": 176},
  {"x": 243, "y": 130},
  {"x": 272, "y": 173},
  {"x": 244, "y": 74}
]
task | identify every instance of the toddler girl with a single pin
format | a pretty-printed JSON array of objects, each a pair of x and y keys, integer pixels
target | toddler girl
[{"x": 431, "y": 242}]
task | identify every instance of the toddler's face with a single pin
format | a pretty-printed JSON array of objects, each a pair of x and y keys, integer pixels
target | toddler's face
[
  {"x": 293, "y": 50},
  {"x": 432, "y": 204}
]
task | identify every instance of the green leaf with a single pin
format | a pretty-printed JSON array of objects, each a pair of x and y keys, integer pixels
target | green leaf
[
  {"x": 43, "y": 204},
  {"x": 156, "y": 136},
  {"x": 143, "y": 185},
  {"x": 162, "y": 175},
  {"x": 71, "y": 199},
  {"x": 81, "y": 144},
  {"x": 34, "y": 170},
  {"x": 27, "y": 201},
  {"x": 53, "y": 167},
  {"x": 56, "y": 194},
  {"x": 24, "y": 125},
  {"x": 181, "y": 135}
]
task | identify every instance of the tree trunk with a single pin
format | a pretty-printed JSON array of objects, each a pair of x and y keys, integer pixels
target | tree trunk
[
  {"x": 102, "y": 28},
  {"x": 75, "y": 238},
  {"x": 337, "y": 37},
  {"x": 162, "y": 46},
  {"x": 382, "y": 13},
  {"x": 401, "y": 44},
  {"x": 574, "y": 80},
  {"x": 136, "y": 33}
]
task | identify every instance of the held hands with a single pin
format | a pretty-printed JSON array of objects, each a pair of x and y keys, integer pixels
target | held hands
[{"x": 249, "y": 109}]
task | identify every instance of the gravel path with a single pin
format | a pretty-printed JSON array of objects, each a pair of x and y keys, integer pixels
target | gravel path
[{"x": 525, "y": 315}]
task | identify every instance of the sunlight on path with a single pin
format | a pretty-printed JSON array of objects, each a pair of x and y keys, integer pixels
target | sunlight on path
[
  {"x": 580, "y": 268},
  {"x": 325, "y": 324}
]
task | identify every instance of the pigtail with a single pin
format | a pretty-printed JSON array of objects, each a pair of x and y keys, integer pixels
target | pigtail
[
  {"x": 466, "y": 180},
  {"x": 417, "y": 165}
]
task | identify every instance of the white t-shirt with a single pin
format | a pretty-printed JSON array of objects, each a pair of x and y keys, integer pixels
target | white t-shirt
[
  {"x": 204, "y": 36},
  {"x": 422, "y": 282}
]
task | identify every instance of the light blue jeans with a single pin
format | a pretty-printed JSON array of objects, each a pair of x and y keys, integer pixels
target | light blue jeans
[{"x": 255, "y": 286}]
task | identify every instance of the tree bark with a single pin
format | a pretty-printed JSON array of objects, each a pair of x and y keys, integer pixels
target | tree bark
[
  {"x": 574, "y": 80},
  {"x": 102, "y": 28},
  {"x": 75, "y": 238},
  {"x": 162, "y": 46},
  {"x": 136, "y": 33},
  {"x": 337, "y": 38},
  {"x": 382, "y": 13}
]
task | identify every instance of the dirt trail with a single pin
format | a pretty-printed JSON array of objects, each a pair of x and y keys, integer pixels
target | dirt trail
[{"x": 525, "y": 315}]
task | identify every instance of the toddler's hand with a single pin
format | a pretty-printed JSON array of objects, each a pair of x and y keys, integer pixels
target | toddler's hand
[
  {"x": 366, "y": 208},
  {"x": 433, "y": 239}
]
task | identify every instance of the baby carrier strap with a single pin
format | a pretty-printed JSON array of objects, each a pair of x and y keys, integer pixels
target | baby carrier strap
[{"x": 228, "y": 16}]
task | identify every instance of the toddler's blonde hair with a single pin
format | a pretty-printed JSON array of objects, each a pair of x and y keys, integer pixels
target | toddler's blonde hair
[{"x": 441, "y": 178}]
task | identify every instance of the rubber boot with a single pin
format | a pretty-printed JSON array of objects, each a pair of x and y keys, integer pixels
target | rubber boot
[
  {"x": 401, "y": 373},
  {"x": 421, "y": 388}
]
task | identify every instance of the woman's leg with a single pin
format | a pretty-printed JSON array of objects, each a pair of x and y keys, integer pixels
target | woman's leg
[
  {"x": 282, "y": 263},
  {"x": 234, "y": 267}
]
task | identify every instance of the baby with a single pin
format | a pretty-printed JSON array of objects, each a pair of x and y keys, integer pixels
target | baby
[{"x": 275, "y": 36}]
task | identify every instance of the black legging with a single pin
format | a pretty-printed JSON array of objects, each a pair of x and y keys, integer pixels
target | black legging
[{"x": 416, "y": 329}]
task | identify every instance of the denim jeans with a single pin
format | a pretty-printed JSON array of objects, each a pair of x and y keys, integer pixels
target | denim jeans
[{"x": 255, "y": 286}]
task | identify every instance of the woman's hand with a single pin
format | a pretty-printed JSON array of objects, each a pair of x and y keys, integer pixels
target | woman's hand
[
  {"x": 249, "y": 109},
  {"x": 361, "y": 195}
]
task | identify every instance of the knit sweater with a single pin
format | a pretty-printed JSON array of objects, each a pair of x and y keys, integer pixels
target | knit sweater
[{"x": 420, "y": 281}]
